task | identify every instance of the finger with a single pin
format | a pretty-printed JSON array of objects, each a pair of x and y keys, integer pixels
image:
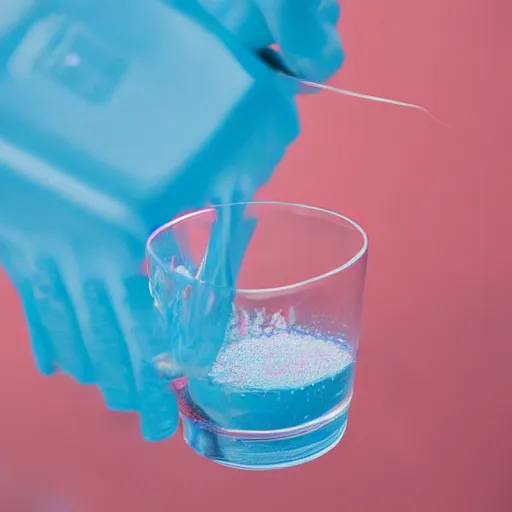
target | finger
[
  {"x": 329, "y": 11},
  {"x": 57, "y": 322},
  {"x": 305, "y": 31},
  {"x": 99, "y": 329},
  {"x": 13, "y": 261},
  {"x": 141, "y": 329},
  {"x": 42, "y": 350},
  {"x": 54, "y": 332},
  {"x": 109, "y": 354}
]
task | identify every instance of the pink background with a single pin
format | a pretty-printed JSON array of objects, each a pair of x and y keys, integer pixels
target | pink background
[{"x": 431, "y": 424}]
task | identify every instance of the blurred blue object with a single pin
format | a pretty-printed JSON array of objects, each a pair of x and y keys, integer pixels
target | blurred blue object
[
  {"x": 115, "y": 115},
  {"x": 304, "y": 30}
]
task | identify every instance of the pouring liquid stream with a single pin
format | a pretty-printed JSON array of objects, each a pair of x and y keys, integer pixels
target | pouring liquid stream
[{"x": 214, "y": 264}]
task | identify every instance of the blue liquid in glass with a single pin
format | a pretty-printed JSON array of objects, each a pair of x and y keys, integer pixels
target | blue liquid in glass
[{"x": 268, "y": 383}]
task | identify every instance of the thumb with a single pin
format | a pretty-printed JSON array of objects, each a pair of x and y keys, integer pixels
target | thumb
[{"x": 305, "y": 31}]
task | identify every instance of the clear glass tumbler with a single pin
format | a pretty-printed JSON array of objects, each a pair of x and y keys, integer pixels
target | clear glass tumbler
[{"x": 263, "y": 344}]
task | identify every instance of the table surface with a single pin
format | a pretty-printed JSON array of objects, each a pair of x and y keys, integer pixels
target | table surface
[{"x": 431, "y": 422}]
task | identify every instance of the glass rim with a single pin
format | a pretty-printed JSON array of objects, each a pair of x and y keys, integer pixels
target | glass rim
[{"x": 277, "y": 289}]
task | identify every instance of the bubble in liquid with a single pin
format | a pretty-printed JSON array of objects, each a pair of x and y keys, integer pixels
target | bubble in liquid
[{"x": 281, "y": 360}]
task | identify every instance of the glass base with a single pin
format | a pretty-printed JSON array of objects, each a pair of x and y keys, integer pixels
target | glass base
[{"x": 262, "y": 450}]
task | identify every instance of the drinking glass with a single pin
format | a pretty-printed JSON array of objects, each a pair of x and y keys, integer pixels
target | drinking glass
[{"x": 263, "y": 330}]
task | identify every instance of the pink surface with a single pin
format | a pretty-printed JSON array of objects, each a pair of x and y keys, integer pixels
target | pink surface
[{"x": 430, "y": 427}]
